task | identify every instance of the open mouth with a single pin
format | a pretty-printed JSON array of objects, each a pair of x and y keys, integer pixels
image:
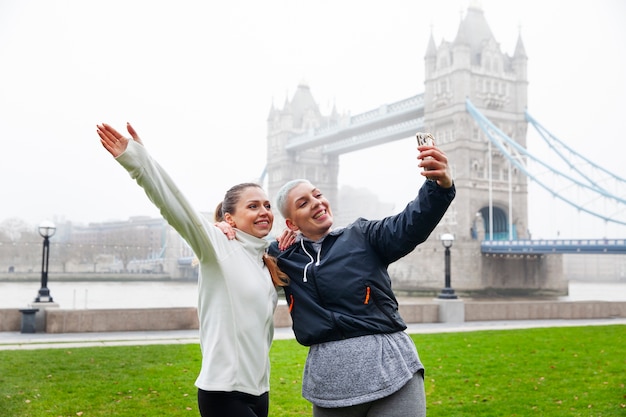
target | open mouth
[{"x": 319, "y": 214}]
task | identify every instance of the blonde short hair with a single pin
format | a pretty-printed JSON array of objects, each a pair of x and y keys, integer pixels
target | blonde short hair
[{"x": 283, "y": 193}]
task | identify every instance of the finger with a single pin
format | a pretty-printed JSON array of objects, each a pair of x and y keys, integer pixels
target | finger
[
  {"x": 133, "y": 133},
  {"x": 108, "y": 128},
  {"x": 131, "y": 130},
  {"x": 109, "y": 134},
  {"x": 106, "y": 137}
]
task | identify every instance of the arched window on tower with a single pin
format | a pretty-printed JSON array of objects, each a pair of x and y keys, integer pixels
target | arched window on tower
[{"x": 500, "y": 224}]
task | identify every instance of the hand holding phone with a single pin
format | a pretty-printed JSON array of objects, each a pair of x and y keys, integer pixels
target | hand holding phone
[{"x": 425, "y": 139}]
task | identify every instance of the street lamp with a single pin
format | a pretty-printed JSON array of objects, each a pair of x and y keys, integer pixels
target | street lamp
[
  {"x": 46, "y": 230},
  {"x": 447, "y": 293}
]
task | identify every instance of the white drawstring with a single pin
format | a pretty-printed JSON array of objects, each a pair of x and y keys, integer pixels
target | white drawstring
[{"x": 304, "y": 278}]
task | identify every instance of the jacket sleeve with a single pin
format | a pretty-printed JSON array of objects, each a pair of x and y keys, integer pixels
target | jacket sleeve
[
  {"x": 166, "y": 196},
  {"x": 396, "y": 236}
]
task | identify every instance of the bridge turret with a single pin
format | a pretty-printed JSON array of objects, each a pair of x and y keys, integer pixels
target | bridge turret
[
  {"x": 520, "y": 68},
  {"x": 300, "y": 115},
  {"x": 430, "y": 57}
]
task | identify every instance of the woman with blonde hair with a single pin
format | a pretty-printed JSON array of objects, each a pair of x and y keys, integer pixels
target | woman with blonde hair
[{"x": 360, "y": 363}]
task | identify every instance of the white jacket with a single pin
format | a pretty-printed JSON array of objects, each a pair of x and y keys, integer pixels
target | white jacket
[{"x": 236, "y": 296}]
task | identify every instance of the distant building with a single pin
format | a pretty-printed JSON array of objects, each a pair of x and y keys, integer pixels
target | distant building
[{"x": 137, "y": 245}]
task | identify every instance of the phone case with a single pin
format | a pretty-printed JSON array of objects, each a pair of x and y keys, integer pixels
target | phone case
[{"x": 425, "y": 139}]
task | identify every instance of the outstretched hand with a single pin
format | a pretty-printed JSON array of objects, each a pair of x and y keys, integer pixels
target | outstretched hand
[
  {"x": 115, "y": 142},
  {"x": 435, "y": 165}
]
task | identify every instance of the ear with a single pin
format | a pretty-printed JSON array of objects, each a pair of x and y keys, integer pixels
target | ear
[
  {"x": 229, "y": 219},
  {"x": 291, "y": 225}
]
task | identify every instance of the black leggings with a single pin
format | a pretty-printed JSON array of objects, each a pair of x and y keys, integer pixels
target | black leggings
[{"x": 232, "y": 404}]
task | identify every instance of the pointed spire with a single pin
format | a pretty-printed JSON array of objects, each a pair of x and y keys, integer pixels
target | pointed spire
[
  {"x": 474, "y": 30},
  {"x": 270, "y": 116},
  {"x": 520, "y": 50},
  {"x": 303, "y": 99},
  {"x": 334, "y": 112},
  {"x": 431, "y": 49}
]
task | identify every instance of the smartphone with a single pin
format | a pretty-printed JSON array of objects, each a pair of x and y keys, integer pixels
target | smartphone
[{"x": 425, "y": 139}]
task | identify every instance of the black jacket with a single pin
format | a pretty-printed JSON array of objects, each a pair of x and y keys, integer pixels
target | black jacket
[{"x": 344, "y": 290}]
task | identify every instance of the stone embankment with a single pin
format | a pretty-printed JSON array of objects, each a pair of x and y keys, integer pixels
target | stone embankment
[{"x": 56, "y": 320}]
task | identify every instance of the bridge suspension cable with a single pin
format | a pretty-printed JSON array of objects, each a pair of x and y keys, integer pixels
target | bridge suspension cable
[
  {"x": 573, "y": 159},
  {"x": 519, "y": 157}
]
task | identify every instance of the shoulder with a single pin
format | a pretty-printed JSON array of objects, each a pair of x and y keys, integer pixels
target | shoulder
[{"x": 272, "y": 249}]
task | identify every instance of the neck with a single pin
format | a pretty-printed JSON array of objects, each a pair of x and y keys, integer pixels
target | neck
[{"x": 317, "y": 236}]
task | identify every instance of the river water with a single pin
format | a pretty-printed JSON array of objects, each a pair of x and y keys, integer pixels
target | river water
[{"x": 96, "y": 295}]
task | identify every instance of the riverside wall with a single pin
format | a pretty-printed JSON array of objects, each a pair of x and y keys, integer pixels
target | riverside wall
[{"x": 57, "y": 320}]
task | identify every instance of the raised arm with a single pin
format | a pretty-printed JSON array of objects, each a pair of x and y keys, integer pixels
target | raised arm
[
  {"x": 160, "y": 189},
  {"x": 397, "y": 235}
]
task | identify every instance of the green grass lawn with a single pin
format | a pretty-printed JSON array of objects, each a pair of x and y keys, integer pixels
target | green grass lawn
[{"x": 571, "y": 371}]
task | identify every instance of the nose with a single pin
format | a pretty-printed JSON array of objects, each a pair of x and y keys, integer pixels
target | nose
[{"x": 317, "y": 202}]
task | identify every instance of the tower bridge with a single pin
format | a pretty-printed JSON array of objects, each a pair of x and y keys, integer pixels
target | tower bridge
[{"x": 475, "y": 104}]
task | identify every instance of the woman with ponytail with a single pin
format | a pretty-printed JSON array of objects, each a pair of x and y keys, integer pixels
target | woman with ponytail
[{"x": 236, "y": 284}]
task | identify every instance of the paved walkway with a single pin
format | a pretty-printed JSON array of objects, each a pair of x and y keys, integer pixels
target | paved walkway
[{"x": 17, "y": 340}]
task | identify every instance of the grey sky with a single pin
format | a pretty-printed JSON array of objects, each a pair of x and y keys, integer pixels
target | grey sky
[{"x": 197, "y": 80}]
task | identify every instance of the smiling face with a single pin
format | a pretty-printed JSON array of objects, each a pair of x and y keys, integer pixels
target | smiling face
[
  {"x": 308, "y": 211},
  {"x": 252, "y": 213}
]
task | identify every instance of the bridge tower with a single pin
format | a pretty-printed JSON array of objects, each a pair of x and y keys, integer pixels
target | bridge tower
[
  {"x": 492, "y": 196},
  {"x": 298, "y": 116},
  {"x": 491, "y": 200}
]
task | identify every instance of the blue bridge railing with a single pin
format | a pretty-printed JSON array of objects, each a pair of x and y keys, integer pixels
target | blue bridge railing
[{"x": 545, "y": 246}]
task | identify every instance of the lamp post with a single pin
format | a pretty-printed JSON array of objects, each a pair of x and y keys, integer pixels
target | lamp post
[
  {"x": 447, "y": 293},
  {"x": 46, "y": 230}
]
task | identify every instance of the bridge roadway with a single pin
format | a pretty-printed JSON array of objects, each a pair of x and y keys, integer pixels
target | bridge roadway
[
  {"x": 547, "y": 246},
  {"x": 387, "y": 123}
]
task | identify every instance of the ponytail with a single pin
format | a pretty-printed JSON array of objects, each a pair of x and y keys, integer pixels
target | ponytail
[
  {"x": 279, "y": 278},
  {"x": 218, "y": 216}
]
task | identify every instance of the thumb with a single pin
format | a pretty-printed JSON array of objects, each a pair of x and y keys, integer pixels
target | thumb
[{"x": 133, "y": 133}]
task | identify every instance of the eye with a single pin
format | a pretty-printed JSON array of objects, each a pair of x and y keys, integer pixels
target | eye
[{"x": 268, "y": 206}]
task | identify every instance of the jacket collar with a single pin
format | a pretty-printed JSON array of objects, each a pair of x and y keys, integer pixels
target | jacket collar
[
  {"x": 251, "y": 243},
  {"x": 334, "y": 232}
]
